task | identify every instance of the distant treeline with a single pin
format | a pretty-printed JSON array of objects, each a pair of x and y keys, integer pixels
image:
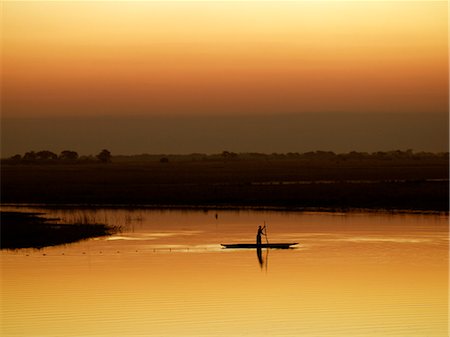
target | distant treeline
[
  {"x": 395, "y": 180},
  {"x": 312, "y": 155},
  {"x": 68, "y": 156}
]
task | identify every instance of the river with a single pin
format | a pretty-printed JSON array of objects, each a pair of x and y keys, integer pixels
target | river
[{"x": 166, "y": 274}]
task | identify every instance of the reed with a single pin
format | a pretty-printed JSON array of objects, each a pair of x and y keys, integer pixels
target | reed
[{"x": 34, "y": 230}]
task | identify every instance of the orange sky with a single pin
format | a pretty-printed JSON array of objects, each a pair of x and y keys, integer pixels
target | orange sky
[{"x": 162, "y": 58}]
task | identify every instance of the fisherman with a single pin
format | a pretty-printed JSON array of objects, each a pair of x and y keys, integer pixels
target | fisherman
[{"x": 261, "y": 231}]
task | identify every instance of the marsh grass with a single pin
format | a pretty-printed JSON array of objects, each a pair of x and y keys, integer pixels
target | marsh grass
[{"x": 34, "y": 230}]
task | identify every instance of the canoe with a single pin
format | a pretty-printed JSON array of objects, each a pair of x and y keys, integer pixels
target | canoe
[{"x": 263, "y": 245}]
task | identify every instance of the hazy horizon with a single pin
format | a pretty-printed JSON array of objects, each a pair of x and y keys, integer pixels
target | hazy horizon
[{"x": 266, "y": 134}]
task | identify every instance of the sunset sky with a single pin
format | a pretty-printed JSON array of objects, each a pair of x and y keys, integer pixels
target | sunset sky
[{"x": 187, "y": 62}]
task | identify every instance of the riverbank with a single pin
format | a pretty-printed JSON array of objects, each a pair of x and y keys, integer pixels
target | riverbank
[{"x": 33, "y": 230}]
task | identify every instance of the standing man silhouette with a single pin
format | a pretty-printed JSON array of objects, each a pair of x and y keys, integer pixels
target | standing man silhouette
[{"x": 260, "y": 233}]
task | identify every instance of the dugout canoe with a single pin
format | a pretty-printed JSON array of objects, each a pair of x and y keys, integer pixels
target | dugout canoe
[{"x": 263, "y": 245}]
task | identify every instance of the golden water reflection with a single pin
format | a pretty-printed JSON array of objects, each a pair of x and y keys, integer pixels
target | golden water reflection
[{"x": 166, "y": 275}]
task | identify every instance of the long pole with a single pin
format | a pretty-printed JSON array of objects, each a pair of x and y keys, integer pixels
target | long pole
[
  {"x": 265, "y": 234},
  {"x": 267, "y": 249}
]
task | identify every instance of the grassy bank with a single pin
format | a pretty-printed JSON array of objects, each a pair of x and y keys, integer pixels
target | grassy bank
[
  {"x": 393, "y": 184},
  {"x": 30, "y": 230}
]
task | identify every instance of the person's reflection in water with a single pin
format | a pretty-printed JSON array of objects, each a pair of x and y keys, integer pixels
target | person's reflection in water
[
  {"x": 262, "y": 261},
  {"x": 260, "y": 257}
]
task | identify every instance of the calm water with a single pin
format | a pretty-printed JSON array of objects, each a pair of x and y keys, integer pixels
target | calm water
[{"x": 165, "y": 274}]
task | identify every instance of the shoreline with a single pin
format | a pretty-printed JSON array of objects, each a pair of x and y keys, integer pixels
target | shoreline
[
  {"x": 34, "y": 230},
  {"x": 226, "y": 208}
]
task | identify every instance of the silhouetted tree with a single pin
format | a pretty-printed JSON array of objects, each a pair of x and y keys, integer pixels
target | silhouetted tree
[
  {"x": 357, "y": 155},
  {"x": 68, "y": 155},
  {"x": 30, "y": 156},
  {"x": 164, "y": 160},
  {"x": 104, "y": 156},
  {"x": 380, "y": 155},
  {"x": 16, "y": 157},
  {"x": 293, "y": 154},
  {"x": 46, "y": 155},
  {"x": 228, "y": 154}
]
